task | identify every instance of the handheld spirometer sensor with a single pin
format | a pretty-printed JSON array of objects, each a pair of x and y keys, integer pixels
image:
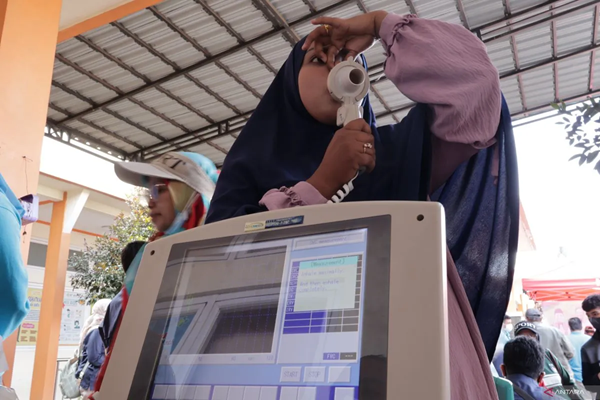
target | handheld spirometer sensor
[{"x": 348, "y": 83}]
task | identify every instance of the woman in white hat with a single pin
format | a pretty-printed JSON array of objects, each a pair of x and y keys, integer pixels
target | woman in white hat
[{"x": 180, "y": 186}]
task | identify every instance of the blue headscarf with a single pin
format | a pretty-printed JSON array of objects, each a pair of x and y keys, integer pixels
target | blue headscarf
[{"x": 282, "y": 144}]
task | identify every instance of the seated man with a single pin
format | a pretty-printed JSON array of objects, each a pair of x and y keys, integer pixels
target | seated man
[
  {"x": 556, "y": 376},
  {"x": 523, "y": 366}
]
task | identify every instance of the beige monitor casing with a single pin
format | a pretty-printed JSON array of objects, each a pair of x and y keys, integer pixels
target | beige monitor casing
[{"x": 418, "y": 354}]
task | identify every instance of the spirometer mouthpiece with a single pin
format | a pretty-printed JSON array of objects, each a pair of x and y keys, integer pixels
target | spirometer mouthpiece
[{"x": 348, "y": 83}]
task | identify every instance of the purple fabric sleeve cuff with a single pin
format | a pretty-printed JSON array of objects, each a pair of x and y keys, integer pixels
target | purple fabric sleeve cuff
[
  {"x": 301, "y": 194},
  {"x": 390, "y": 25}
]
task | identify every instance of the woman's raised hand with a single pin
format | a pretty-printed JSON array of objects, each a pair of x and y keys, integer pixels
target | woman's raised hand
[{"x": 353, "y": 35}]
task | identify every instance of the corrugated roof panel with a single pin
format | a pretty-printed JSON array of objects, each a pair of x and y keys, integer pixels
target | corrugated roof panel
[
  {"x": 275, "y": 50},
  {"x": 510, "y": 89},
  {"x": 524, "y": 4},
  {"x": 320, "y": 4},
  {"x": 394, "y": 98},
  {"x": 121, "y": 128},
  {"x": 574, "y": 32},
  {"x": 81, "y": 83},
  {"x": 243, "y": 17},
  {"x": 228, "y": 88},
  {"x": 249, "y": 70},
  {"x": 534, "y": 45},
  {"x": 391, "y": 6},
  {"x": 55, "y": 115},
  {"x": 538, "y": 87},
  {"x": 596, "y": 71},
  {"x": 171, "y": 109},
  {"x": 501, "y": 54},
  {"x": 224, "y": 141},
  {"x": 145, "y": 118},
  {"x": 100, "y": 66},
  {"x": 443, "y": 10},
  {"x": 376, "y": 104},
  {"x": 66, "y": 101},
  {"x": 291, "y": 10},
  {"x": 163, "y": 39},
  {"x": 573, "y": 76},
  {"x": 192, "y": 19},
  {"x": 206, "y": 150},
  {"x": 122, "y": 47},
  {"x": 198, "y": 98},
  {"x": 480, "y": 12},
  {"x": 81, "y": 127}
]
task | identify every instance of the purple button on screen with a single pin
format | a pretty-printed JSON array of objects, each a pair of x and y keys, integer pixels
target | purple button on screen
[{"x": 331, "y": 356}]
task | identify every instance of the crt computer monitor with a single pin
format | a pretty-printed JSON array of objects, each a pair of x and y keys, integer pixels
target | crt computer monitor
[{"x": 333, "y": 302}]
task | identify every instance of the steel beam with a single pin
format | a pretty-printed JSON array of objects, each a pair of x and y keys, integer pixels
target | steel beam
[
  {"x": 411, "y": 6},
  {"x": 276, "y": 19},
  {"x": 235, "y": 34},
  {"x": 210, "y": 60},
  {"x": 594, "y": 42},
  {"x": 463, "y": 15}
]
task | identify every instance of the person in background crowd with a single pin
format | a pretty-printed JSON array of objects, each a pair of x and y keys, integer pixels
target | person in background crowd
[
  {"x": 552, "y": 339},
  {"x": 180, "y": 187},
  {"x": 507, "y": 328},
  {"x": 92, "y": 349},
  {"x": 556, "y": 377},
  {"x": 113, "y": 312},
  {"x": 523, "y": 365},
  {"x": 590, "y": 351},
  {"x": 589, "y": 330},
  {"x": 577, "y": 339},
  {"x": 14, "y": 304}
]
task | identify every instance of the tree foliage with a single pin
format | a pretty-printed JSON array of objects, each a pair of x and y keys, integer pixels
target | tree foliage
[
  {"x": 98, "y": 267},
  {"x": 582, "y": 125}
]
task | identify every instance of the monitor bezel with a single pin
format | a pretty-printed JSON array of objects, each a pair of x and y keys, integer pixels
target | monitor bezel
[{"x": 376, "y": 295}]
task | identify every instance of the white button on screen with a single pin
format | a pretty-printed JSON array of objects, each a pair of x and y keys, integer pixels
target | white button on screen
[
  {"x": 236, "y": 393},
  {"x": 307, "y": 393},
  {"x": 314, "y": 374},
  {"x": 172, "y": 392},
  {"x": 220, "y": 393},
  {"x": 289, "y": 393},
  {"x": 339, "y": 374},
  {"x": 252, "y": 393},
  {"x": 344, "y": 394},
  {"x": 290, "y": 374},
  {"x": 160, "y": 392},
  {"x": 268, "y": 393},
  {"x": 187, "y": 393},
  {"x": 202, "y": 393}
]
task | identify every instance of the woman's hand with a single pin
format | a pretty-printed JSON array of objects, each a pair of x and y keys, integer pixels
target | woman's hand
[
  {"x": 354, "y": 35},
  {"x": 350, "y": 149}
]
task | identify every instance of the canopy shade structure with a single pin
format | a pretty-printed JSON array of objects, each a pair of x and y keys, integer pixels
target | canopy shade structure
[
  {"x": 187, "y": 74},
  {"x": 561, "y": 289}
]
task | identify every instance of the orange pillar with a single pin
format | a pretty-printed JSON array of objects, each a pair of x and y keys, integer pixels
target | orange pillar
[
  {"x": 28, "y": 32},
  {"x": 46, "y": 350}
]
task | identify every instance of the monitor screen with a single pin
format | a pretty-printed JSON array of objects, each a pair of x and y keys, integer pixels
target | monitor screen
[{"x": 270, "y": 317}]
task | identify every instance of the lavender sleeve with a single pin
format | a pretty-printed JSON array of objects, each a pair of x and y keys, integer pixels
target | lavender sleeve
[{"x": 442, "y": 65}]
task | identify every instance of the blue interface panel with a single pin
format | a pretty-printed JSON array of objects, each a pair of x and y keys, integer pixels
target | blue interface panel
[{"x": 277, "y": 320}]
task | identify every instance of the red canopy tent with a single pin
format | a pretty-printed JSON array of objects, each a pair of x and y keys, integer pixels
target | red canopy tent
[{"x": 562, "y": 289}]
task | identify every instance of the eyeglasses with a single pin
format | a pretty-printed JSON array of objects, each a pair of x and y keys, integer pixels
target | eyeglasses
[{"x": 155, "y": 191}]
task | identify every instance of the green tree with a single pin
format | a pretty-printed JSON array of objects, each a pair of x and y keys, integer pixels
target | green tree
[
  {"x": 582, "y": 126},
  {"x": 98, "y": 267}
]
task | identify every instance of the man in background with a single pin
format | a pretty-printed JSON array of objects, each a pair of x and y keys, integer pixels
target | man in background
[
  {"x": 577, "y": 339},
  {"x": 523, "y": 365},
  {"x": 590, "y": 351},
  {"x": 552, "y": 339}
]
